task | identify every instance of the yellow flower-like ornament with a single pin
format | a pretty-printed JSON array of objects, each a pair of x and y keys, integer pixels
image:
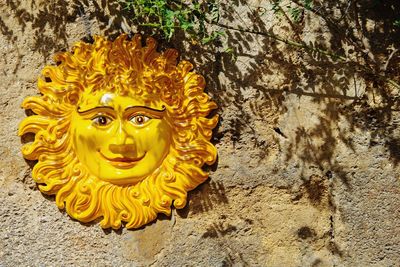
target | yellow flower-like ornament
[{"x": 121, "y": 131}]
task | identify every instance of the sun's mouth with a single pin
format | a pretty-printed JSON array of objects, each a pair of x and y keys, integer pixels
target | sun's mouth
[{"x": 122, "y": 162}]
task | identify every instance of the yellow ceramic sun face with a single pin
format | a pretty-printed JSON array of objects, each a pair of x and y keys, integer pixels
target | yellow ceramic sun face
[
  {"x": 120, "y": 139},
  {"x": 121, "y": 131}
]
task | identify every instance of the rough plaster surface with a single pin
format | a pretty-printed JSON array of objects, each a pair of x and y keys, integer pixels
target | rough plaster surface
[{"x": 309, "y": 161}]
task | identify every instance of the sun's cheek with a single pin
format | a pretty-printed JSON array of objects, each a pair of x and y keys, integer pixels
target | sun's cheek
[
  {"x": 88, "y": 139},
  {"x": 156, "y": 138},
  {"x": 149, "y": 138},
  {"x": 101, "y": 137}
]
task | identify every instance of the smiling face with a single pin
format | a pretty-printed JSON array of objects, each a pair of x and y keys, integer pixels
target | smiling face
[{"x": 120, "y": 139}]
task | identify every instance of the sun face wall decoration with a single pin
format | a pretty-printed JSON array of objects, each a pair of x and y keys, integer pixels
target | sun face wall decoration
[{"x": 121, "y": 131}]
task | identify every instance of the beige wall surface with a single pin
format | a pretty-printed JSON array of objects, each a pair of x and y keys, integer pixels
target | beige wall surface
[{"x": 308, "y": 170}]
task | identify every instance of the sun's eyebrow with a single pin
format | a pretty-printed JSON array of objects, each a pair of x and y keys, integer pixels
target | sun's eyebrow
[
  {"x": 83, "y": 112},
  {"x": 151, "y": 110}
]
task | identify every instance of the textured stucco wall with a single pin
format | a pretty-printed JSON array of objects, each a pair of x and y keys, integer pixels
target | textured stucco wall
[{"x": 309, "y": 161}]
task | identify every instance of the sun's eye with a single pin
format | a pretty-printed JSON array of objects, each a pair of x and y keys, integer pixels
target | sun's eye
[
  {"x": 101, "y": 120},
  {"x": 139, "y": 119}
]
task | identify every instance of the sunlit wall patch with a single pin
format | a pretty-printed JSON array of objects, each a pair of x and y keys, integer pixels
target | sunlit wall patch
[{"x": 121, "y": 131}]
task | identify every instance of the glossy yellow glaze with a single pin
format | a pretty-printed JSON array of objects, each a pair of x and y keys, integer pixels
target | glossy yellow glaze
[
  {"x": 120, "y": 139},
  {"x": 121, "y": 131}
]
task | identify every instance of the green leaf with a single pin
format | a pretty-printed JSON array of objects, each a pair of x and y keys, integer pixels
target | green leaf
[{"x": 166, "y": 16}]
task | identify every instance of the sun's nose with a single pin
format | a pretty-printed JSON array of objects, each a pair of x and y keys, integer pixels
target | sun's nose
[{"x": 123, "y": 142}]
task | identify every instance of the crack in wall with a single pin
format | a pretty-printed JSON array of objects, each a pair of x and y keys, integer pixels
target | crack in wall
[{"x": 332, "y": 246}]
